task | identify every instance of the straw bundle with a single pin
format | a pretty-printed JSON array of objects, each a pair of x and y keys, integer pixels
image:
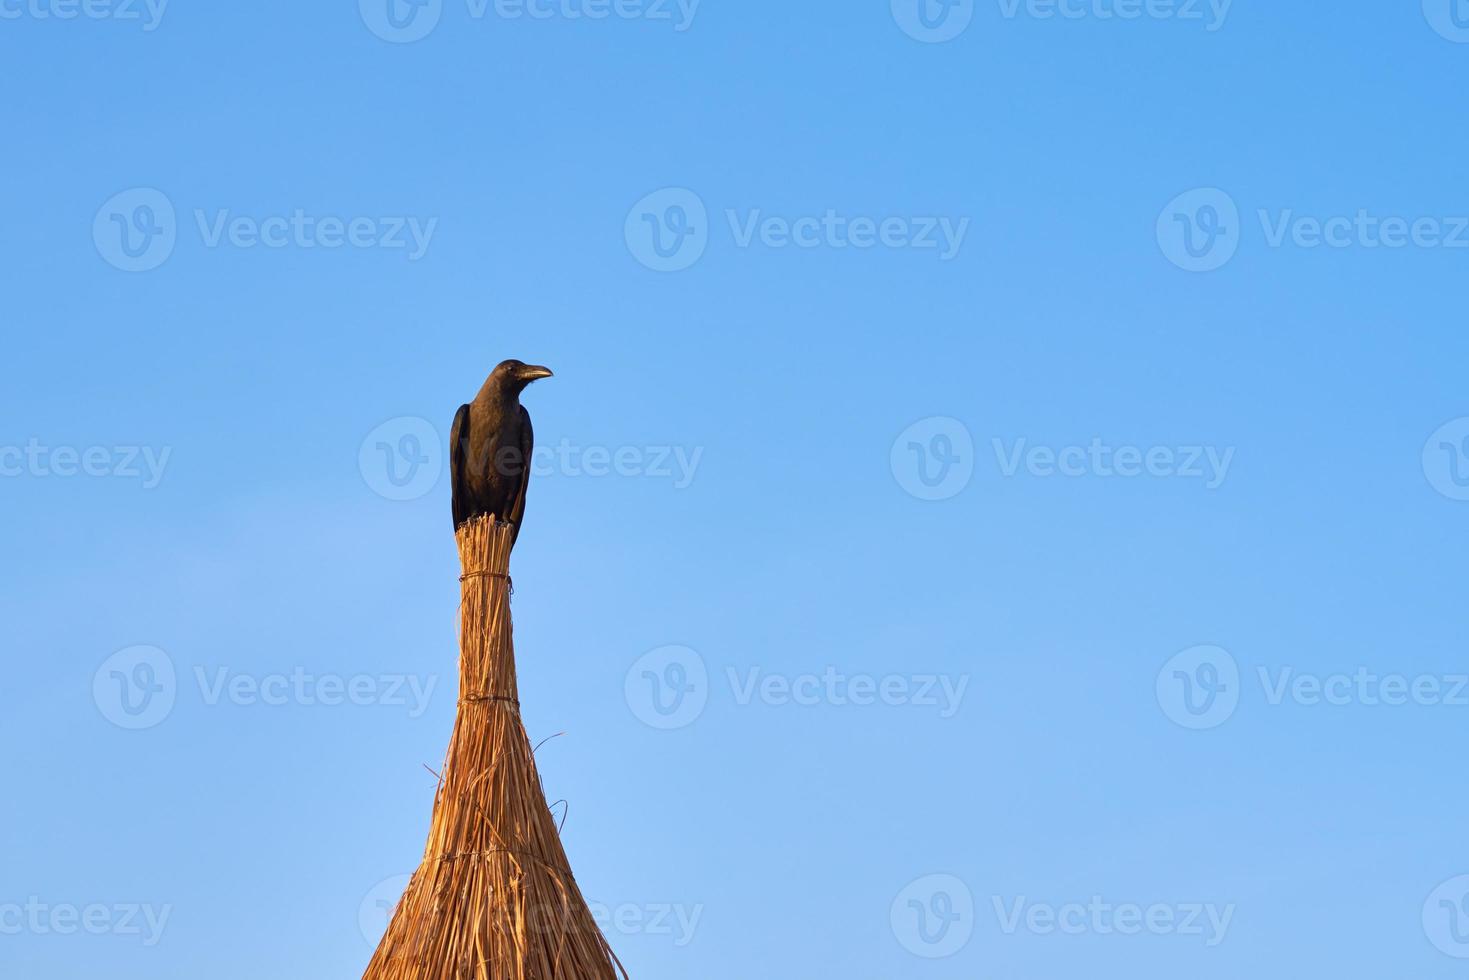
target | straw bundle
[{"x": 494, "y": 898}]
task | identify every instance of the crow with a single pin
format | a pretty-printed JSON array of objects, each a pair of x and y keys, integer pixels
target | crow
[{"x": 490, "y": 448}]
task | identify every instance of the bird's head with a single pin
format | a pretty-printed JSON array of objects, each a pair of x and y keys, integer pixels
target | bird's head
[{"x": 513, "y": 376}]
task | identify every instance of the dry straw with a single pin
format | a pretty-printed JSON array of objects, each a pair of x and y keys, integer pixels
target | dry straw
[{"x": 494, "y": 898}]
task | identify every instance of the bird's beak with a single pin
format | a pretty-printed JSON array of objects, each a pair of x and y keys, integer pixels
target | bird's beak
[{"x": 534, "y": 372}]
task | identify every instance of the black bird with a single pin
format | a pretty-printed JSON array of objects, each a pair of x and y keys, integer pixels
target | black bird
[{"x": 490, "y": 448}]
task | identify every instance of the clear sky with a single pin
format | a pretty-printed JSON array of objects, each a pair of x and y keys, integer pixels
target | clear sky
[{"x": 1004, "y": 511}]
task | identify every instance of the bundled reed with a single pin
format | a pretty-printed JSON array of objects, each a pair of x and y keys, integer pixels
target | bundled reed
[{"x": 494, "y": 898}]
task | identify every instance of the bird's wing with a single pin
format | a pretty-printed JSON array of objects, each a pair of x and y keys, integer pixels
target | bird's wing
[
  {"x": 458, "y": 440},
  {"x": 527, "y": 448}
]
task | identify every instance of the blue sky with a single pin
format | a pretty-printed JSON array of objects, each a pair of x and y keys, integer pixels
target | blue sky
[{"x": 1000, "y": 509}]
